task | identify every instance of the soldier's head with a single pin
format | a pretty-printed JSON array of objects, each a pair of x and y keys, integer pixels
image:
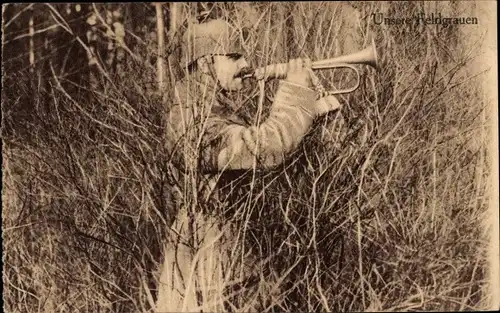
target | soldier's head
[{"x": 213, "y": 48}]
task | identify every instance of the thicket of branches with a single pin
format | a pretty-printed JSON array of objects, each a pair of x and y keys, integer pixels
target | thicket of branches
[{"x": 380, "y": 207}]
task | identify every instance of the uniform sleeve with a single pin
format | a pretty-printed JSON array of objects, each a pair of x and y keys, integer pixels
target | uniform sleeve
[{"x": 234, "y": 147}]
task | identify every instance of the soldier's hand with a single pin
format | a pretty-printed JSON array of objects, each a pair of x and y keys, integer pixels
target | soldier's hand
[{"x": 299, "y": 72}]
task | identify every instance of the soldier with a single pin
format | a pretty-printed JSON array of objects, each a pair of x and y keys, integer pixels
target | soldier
[{"x": 205, "y": 136}]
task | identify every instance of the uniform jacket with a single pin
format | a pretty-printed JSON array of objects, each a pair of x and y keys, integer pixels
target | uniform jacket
[{"x": 199, "y": 136}]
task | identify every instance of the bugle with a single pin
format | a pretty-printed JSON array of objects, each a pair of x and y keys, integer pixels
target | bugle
[{"x": 367, "y": 56}]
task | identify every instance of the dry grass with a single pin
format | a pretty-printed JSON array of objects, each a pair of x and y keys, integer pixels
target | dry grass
[{"x": 380, "y": 208}]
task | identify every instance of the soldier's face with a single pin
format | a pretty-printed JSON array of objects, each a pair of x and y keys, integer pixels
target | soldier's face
[{"x": 227, "y": 68}]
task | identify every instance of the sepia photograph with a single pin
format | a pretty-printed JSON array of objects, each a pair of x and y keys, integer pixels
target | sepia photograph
[{"x": 250, "y": 157}]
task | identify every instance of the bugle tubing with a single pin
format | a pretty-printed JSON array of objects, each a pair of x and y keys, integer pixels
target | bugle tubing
[{"x": 367, "y": 56}]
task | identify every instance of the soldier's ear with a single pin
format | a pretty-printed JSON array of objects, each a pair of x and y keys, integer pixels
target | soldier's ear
[{"x": 204, "y": 64}]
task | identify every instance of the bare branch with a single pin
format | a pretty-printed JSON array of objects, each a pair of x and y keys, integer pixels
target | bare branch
[
  {"x": 17, "y": 15},
  {"x": 83, "y": 110},
  {"x": 35, "y": 33}
]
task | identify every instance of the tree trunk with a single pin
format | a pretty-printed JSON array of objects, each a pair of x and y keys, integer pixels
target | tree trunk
[
  {"x": 31, "y": 42},
  {"x": 160, "y": 64}
]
